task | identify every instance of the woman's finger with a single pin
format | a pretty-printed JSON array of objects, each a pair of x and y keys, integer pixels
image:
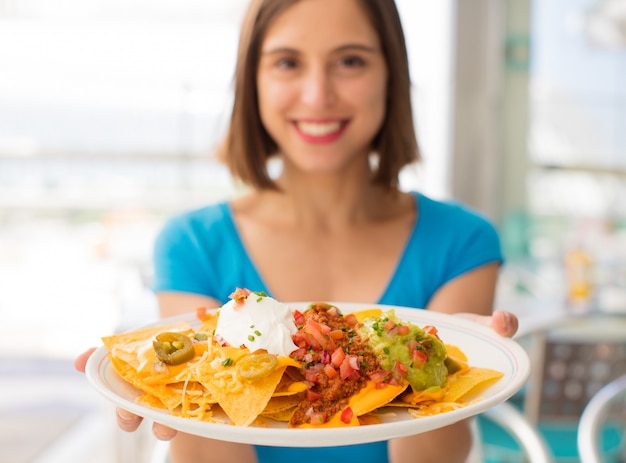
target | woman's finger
[
  {"x": 127, "y": 421},
  {"x": 502, "y": 322},
  {"x": 81, "y": 361},
  {"x": 163, "y": 432}
]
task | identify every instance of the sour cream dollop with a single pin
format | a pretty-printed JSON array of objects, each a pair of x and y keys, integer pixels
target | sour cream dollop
[{"x": 257, "y": 322}]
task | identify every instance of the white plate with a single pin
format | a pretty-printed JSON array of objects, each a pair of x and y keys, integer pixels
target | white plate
[{"x": 484, "y": 348}]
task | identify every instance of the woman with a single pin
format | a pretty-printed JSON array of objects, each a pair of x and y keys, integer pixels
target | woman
[{"x": 324, "y": 86}]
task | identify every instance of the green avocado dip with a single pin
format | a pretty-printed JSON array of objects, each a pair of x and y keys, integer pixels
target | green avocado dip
[{"x": 422, "y": 354}]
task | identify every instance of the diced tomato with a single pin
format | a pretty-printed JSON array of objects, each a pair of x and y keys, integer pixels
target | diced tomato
[
  {"x": 349, "y": 367},
  {"x": 312, "y": 396},
  {"x": 418, "y": 358},
  {"x": 400, "y": 369},
  {"x": 346, "y": 415},
  {"x": 299, "y": 340},
  {"x": 428, "y": 329},
  {"x": 317, "y": 337},
  {"x": 345, "y": 370},
  {"x": 239, "y": 295},
  {"x": 337, "y": 357},
  {"x": 298, "y": 318},
  {"x": 403, "y": 329},
  {"x": 389, "y": 325},
  {"x": 336, "y": 334},
  {"x": 330, "y": 371},
  {"x": 351, "y": 319},
  {"x": 378, "y": 376},
  {"x": 298, "y": 354}
]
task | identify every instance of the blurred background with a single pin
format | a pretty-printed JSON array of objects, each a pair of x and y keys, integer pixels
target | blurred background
[{"x": 109, "y": 114}]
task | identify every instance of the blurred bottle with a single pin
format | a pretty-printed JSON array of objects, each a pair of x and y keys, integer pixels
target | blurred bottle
[{"x": 579, "y": 278}]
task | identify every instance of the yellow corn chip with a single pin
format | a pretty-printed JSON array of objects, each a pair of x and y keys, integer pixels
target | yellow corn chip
[
  {"x": 242, "y": 401},
  {"x": 283, "y": 416},
  {"x": 474, "y": 380},
  {"x": 282, "y": 403}
]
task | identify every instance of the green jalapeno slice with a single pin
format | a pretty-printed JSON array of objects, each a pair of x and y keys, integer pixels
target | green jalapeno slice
[
  {"x": 173, "y": 348},
  {"x": 256, "y": 366}
]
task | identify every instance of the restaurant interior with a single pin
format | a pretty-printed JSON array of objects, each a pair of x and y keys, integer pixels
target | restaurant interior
[{"x": 109, "y": 115}]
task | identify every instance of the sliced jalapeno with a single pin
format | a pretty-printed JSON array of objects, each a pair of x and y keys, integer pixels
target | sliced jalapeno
[
  {"x": 173, "y": 348},
  {"x": 255, "y": 366}
]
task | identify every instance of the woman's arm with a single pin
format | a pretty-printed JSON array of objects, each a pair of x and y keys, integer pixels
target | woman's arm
[
  {"x": 471, "y": 296},
  {"x": 451, "y": 444},
  {"x": 175, "y": 303},
  {"x": 472, "y": 292}
]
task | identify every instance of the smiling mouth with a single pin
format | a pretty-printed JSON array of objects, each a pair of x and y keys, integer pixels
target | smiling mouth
[{"x": 319, "y": 129}]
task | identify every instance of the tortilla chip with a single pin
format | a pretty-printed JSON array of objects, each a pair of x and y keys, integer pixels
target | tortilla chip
[
  {"x": 242, "y": 401},
  {"x": 473, "y": 381},
  {"x": 290, "y": 384},
  {"x": 415, "y": 398},
  {"x": 456, "y": 353},
  {"x": 209, "y": 324},
  {"x": 282, "y": 403},
  {"x": 283, "y": 416},
  {"x": 372, "y": 397},
  {"x": 368, "y": 419},
  {"x": 135, "y": 347}
]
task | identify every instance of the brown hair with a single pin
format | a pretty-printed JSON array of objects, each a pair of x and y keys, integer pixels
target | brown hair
[{"x": 247, "y": 145}]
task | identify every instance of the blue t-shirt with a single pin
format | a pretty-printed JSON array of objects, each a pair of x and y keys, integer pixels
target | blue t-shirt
[{"x": 201, "y": 252}]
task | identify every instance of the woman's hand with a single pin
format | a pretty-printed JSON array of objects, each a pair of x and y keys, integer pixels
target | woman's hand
[
  {"x": 126, "y": 420},
  {"x": 504, "y": 323}
]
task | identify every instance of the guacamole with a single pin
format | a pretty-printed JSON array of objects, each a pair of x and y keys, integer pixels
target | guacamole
[{"x": 392, "y": 340}]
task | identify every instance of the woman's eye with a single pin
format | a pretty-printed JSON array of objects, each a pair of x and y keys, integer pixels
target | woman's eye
[
  {"x": 286, "y": 63},
  {"x": 352, "y": 61}
]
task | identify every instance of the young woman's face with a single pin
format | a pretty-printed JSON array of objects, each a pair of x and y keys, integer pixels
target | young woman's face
[{"x": 322, "y": 84}]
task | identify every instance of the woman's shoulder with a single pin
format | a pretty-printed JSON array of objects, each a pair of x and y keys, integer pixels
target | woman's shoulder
[
  {"x": 199, "y": 224},
  {"x": 450, "y": 212},
  {"x": 206, "y": 216}
]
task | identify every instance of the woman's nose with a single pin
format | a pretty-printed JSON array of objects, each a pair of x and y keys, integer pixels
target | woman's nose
[{"x": 317, "y": 88}]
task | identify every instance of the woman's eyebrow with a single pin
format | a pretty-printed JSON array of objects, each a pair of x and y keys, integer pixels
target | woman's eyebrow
[
  {"x": 279, "y": 50},
  {"x": 358, "y": 46},
  {"x": 345, "y": 47}
]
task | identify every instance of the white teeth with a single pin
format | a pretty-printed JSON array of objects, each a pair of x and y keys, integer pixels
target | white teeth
[{"x": 318, "y": 129}]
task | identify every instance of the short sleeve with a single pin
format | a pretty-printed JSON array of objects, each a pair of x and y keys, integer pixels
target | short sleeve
[{"x": 181, "y": 260}]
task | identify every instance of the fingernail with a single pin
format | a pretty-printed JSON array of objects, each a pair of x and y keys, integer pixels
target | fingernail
[
  {"x": 125, "y": 415},
  {"x": 163, "y": 434},
  {"x": 508, "y": 321}
]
